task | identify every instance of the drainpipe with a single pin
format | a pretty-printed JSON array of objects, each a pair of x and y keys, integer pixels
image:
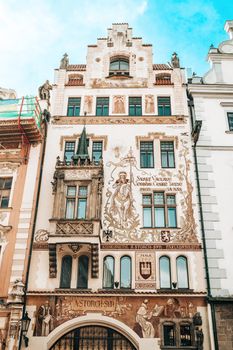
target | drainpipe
[
  {"x": 34, "y": 220},
  {"x": 196, "y": 128}
]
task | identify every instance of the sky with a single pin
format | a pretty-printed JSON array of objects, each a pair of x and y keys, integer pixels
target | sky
[{"x": 35, "y": 34}]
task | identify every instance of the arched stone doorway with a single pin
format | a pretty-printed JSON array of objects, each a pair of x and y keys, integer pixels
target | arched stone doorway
[{"x": 93, "y": 337}]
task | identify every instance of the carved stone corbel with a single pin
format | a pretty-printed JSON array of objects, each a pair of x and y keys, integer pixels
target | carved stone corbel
[
  {"x": 52, "y": 261},
  {"x": 3, "y": 231},
  {"x": 94, "y": 260}
]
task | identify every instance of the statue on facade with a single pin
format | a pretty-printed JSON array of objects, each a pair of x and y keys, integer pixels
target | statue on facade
[
  {"x": 64, "y": 61},
  {"x": 175, "y": 60},
  {"x": 44, "y": 91}
]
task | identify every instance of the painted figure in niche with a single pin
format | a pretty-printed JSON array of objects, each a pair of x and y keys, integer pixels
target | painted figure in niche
[
  {"x": 118, "y": 104},
  {"x": 88, "y": 104},
  {"x": 44, "y": 324},
  {"x": 122, "y": 201},
  {"x": 142, "y": 318},
  {"x": 149, "y": 104},
  {"x": 172, "y": 308}
]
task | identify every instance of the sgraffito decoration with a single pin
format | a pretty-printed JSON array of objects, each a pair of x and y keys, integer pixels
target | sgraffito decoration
[{"x": 127, "y": 183}]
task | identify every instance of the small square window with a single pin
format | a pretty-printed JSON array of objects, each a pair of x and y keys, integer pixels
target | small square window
[
  {"x": 74, "y": 104},
  {"x": 102, "y": 106},
  {"x": 164, "y": 106},
  {"x": 135, "y": 106}
]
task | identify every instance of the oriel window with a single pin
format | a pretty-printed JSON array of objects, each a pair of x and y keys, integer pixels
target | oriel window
[
  {"x": 74, "y": 106},
  {"x": 167, "y": 154},
  {"x": 135, "y": 106},
  {"x": 97, "y": 150},
  {"x": 102, "y": 106},
  {"x": 5, "y": 189},
  {"x": 82, "y": 202},
  {"x": 164, "y": 106},
  {"x": 76, "y": 202},
  {"x": 146, "y": 154}
]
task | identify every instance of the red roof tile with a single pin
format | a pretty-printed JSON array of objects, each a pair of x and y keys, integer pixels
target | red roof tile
[
  {"x": 76, "y": 67},
  {"x": 161, "y": 66}
]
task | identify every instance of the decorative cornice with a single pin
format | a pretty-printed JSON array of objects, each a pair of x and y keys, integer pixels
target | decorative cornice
[{"x": 64, "y": 120}]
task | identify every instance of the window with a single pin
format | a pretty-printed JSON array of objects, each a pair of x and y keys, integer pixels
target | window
[
  {"x": 169, "y": 335},
  {"x": 97, "y": 149},
  {"x": 159, "y": 210},
  {"x": 146, "y": 154},
  {"x": 185, "y": 335},
  {"x": 119, "y": 66},
  {"x": 66, "y": 269},
  {"x": 82, "y": 202},
  {"x": 230, "y": 120},
  {"x": 165, "y": 272},
  {"x": 108, "y": 272},
  {"x": 72, "y": 202},
  {"x": 69, "y": 150},
  {"x": 135, "y": 106},
  {"x": 74, "y": 106},
  {"x": 102, "y": 106},
  {"x": 5, "y": 189},
  {"x": 182, "y": 272},
  {"x": 125, "y": 280},
  {"x": 167, "y": 154},
  {"x": 83, "y": 272},
  {"x": 164, "y": 106}
]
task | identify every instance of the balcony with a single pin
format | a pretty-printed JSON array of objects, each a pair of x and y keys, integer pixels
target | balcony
[{"x": 20, "y": 121}]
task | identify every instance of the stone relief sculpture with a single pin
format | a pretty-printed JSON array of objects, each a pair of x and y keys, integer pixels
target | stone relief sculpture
[
  {"x": 149, "y": 104},
  {"x": 88, "y": 104},
  {"x": 118, "y": 104}
]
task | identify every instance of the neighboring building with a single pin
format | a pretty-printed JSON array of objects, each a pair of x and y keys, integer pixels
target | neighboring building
[
  {"x": 117, "y": 260},
  {"x": 212, "y": 97},
  {"x": 20, "y": 152}
]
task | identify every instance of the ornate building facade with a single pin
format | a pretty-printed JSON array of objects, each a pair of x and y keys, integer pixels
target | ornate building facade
[
  {"x": 212, "y": 113},
  {"x": 116, "y": 257},
  {"x": 21, "y": 144}
]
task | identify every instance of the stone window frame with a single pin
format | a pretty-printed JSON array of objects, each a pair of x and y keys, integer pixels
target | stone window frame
[
  {"x": 77, "y": 184},
  {"x": 177, "y": 324},
  {"x": 6, "y": 192}
]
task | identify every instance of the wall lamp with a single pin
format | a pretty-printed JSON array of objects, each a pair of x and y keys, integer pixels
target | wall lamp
[{"x": 25, "y": 322}]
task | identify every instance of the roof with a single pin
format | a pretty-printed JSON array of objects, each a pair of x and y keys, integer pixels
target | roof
[
  {"x": 161, "y": 66},
  {"x": 76, "y": 67}
]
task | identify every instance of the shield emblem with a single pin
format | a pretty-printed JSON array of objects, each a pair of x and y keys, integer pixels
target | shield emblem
[
  {"x": 145, "y": 269},
  {"x": 165, "y": 236}
]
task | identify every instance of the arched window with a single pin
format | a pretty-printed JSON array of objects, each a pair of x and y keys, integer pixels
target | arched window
[
  {"x": 82, "y": 281},
  {"x": 108, "y": 272},
  {"x": 165, "y": 272},
  {"x": 66, "y": 269},
  {"x": 125, "y": 281},
  {"x": 119, "y": 66},
  {"x": 182, "y": 272}
]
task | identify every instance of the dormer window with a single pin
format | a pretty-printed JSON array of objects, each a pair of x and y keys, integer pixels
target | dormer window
[{"x": 119, "y": 66}]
